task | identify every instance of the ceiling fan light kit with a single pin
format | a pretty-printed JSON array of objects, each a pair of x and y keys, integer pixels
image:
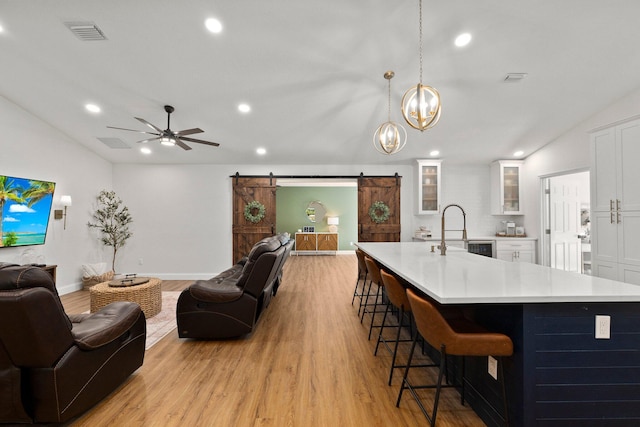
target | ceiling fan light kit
[
  {"x": 390, "y": 137},
  {"x": 167, "y": 136},
  {"x": 421, "y": 105}
]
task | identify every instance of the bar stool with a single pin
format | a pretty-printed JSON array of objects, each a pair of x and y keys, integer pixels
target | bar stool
[
  {"x": 453, "y": 336},
  {"x": 397, "y": 297},
  {"x": 373, "y": 271},
  {"x": 362, "y": 278}
]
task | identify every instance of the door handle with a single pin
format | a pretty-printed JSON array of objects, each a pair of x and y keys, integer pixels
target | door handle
[
  {"x": 619, "y": 218},
  {"x": 610, "y": 204},
  {"x": 617, "y": 204},
  {"x": 613, "y": 217}
]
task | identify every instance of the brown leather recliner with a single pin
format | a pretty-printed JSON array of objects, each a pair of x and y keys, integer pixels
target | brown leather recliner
[
  {"x": 54, "y": 367},
  {"x": 230, "y": 304}
]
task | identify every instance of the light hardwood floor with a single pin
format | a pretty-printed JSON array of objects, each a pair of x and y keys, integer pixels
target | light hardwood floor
[{"x": 308, "y": 363}]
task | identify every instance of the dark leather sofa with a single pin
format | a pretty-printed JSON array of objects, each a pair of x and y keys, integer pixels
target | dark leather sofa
[
  {"x": 230, "y": 304},
  {"x": 54, "y": 367}
]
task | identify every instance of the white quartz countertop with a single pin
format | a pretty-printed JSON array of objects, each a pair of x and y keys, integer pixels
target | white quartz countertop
[{"x": 463, "y": 278}]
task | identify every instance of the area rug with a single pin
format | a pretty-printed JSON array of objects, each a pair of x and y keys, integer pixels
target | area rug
[{"x": 164, "y": 322}]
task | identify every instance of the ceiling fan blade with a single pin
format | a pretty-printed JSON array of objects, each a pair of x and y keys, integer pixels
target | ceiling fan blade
[
  {"x": 133, "y": 130},
  {"x": 154, "y": 127},
  {"x": 200, "y": 141},
  {"x": 182, "y": 145},
  {"x": 144, "y": 141},
  {"x": 188, "y": 131}
]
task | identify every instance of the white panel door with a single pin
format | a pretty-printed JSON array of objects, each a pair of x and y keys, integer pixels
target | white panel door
[{"x": 565, "y": 225}]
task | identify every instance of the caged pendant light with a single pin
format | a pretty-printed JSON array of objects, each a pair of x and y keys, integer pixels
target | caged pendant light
[
  {"x": 390, "y": 137},
  {"x": 421, "y": 103}
]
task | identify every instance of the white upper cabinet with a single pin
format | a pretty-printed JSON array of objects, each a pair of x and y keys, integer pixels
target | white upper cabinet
[
  {"x": 506, "y": 187},
  {"x": 429, "y": 172},
  {"x": 615, "y": 173}
]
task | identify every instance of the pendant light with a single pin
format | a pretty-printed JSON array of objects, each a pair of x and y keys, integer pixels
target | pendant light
[
  {"x": 421, "y": 103},
  {"x": 390, "y": 137}
]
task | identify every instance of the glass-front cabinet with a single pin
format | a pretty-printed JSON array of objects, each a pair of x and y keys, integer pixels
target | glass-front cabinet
[
  {"x": 429, "y": 172},
  {"x": 506, "y": 187}
]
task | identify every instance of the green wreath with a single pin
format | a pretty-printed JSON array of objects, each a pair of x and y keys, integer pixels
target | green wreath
[
  {"x": 249, "y": 209},
  {"x": 379, "y": 212}
]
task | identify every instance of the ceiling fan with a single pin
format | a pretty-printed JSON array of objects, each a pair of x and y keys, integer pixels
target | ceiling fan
[{"x": 167, "y": 136}]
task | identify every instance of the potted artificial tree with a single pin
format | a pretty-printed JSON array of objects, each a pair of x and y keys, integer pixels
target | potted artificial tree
[{"x": 112, "y": 219}]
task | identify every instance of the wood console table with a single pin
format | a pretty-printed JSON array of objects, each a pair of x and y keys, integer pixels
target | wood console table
[{"x": 316, "y": 243}]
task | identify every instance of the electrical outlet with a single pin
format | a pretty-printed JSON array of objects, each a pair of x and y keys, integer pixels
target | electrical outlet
[
  {"x": 492, "y": 367},
  {"x": 140, "y": 261},
  {"x": 603, "y": 327}
]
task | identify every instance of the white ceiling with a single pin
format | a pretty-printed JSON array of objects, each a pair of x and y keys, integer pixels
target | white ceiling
[{"x": 313, "y": 74}]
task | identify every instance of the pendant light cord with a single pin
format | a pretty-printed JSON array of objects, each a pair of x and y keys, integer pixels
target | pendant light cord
[
  {"x": 420, "y": 47},
  {"x": 389, "y": 100}
]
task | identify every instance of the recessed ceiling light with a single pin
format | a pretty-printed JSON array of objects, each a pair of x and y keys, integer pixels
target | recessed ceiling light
[
  {"x": 261, "y": 151},
  {"x": 244, "y": 108},
  {"x": 145, "y": 150},
  {"x": 93, "y": 108},
  {"x": 434, "y": 153},
  {"x": 1, "y": 29},
  {"x": 213, "y": 25},
  {"x": 463, "y": 39},
  {"x": 518, "y": 153}
]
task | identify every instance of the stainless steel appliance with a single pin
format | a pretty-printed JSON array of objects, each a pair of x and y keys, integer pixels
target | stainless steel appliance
[{"x": 482, "y": 247}]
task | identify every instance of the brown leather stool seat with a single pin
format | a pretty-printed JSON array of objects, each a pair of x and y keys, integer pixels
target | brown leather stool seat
[
  {"x": 358, "y": 291},
  {"x": 456, "y": 336}
]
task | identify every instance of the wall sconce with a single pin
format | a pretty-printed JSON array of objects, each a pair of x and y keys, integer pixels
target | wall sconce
[
  {"x": 59, "y": 213},
  {"x": 333, "y": 221}
]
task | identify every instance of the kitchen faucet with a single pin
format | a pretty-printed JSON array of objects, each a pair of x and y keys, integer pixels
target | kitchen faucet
[{"x": 443, "y": 247}]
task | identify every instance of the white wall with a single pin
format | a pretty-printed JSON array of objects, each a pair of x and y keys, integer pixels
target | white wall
[
  {"x": 569, "y": 152},
  {"x": 182, "y": 213},
  {"x": 470, "y": 187},
  {"x": 30, "y": 148}
]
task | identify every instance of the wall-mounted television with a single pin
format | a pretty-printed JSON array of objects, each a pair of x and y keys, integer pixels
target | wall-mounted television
[{"x": 25, "y": 207}]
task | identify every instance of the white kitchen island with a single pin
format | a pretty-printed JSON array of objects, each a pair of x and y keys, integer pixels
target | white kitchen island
[{"x": 560, "y": 373}]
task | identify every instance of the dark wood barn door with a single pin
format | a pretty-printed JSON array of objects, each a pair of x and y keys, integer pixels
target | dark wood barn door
[
  {"x": 387, "y": 191},
  {"x": 245, "y": 232}
]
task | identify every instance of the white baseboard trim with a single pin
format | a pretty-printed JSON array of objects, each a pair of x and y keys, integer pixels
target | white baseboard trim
[{"x": 67, "y": 289}]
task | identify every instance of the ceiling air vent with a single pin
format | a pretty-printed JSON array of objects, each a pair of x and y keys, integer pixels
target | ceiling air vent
[
  {"x": 86, "y": 31},
  {"x": 514, "y": 77},
  {"x": 113, "y": 142}
]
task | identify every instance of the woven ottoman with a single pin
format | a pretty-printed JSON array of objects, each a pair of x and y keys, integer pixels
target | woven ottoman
[{"x": 147, "y": 295}]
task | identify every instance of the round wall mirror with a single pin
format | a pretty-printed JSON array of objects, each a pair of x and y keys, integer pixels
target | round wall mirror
[{"x": 315, "y": 211}]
